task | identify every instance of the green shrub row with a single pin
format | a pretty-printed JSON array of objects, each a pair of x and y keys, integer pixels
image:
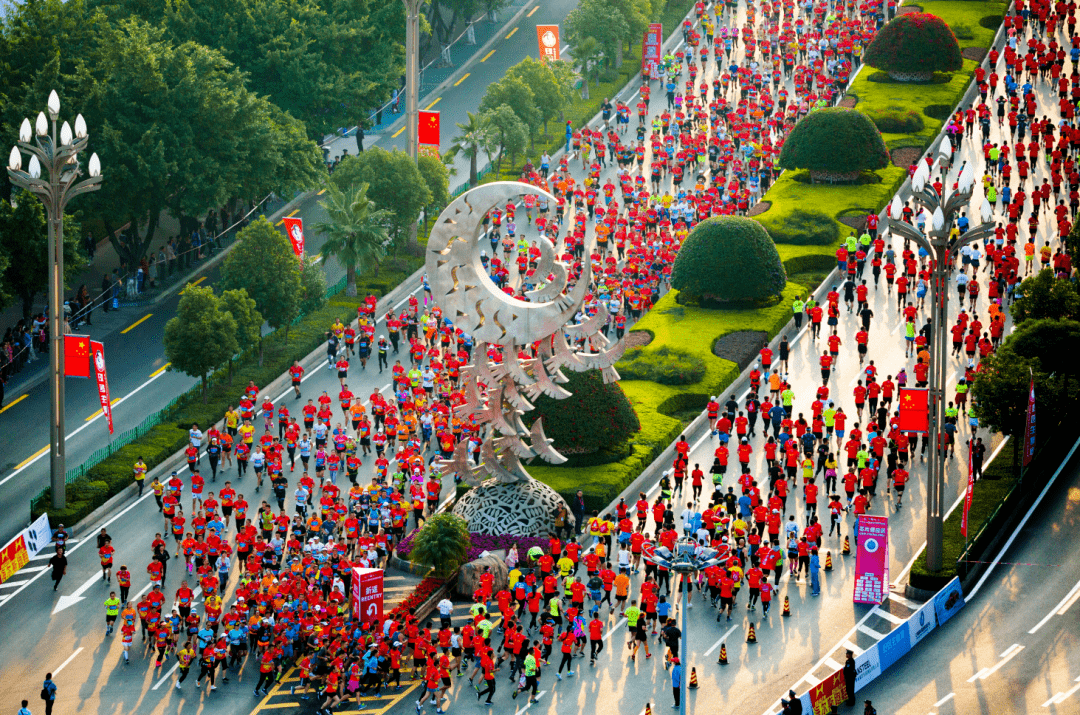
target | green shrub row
[
  {"x": 160, "y": 443},
  {"x": 667, "y": 366}
]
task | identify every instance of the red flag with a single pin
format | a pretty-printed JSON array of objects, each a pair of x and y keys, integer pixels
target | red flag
[
  {"x": 429, "y": 128},
  {"x": 294, "y": 227},
  {"x": 650, "y": 48},
  {"x": 1029, "y": 425},
  {"x": 102, "y": 381},
  {"x": 547, "y": 37},
  {"x": 967, "y": 497},
  {"x": 76, "y": 356},
  {"x": 914, "y": 407}
]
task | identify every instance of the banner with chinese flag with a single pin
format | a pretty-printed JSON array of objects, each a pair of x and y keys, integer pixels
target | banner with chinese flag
[
  {"x": 1029, "y": 425},
  {"x": 429, "y": 128},
  {"x": 914, "y": 408},
  {"x": 547, "y": 37},
  {"x": 98, "y": 351},
  {"x": 967, "y": 496},
  {"x": 76, "y": 356},
  {"x": 294, "y": 227}
]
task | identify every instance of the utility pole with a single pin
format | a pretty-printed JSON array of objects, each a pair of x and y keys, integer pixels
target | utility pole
[{"x": 412, "y": 87}]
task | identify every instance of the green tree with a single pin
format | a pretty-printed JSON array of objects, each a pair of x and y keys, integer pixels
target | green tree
[
  {"x": 324, "y": 62},
  {"x": 249, "y": 322},
  {"x": 263, "y": 264},
  {"x": 312, "y": 286},
  {"x": 443, "y": 541},
  {"x": 1055, "y": 342},
  {"x": 508, "y": 134},
  {"x": 602, "y": 21},
  {"x": 596, "y": 416},
  {"x": 473, "y": 137},
  {"x": 24, "y": 243},
  {"x": 1045, "y": 296},
  {"x": 437, "y": 177},
  {"x": 395, "y": 184},
  {"x": 550, "y": 82},
  {"x": 177, "y": 131},
  {"x": 729, "y": 258},
  {"x": 355, "y": 232},
  {"x": 588, "y": 59},
  {"x": 513, "y": 92},
  {"x": 202, "y": 336}
]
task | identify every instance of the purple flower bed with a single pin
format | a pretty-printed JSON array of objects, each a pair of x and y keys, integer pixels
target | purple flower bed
[{"x": 484, "y": 542}]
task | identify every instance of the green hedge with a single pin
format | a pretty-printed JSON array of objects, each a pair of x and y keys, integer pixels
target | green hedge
[
  {"x": 834, "y": 140},
  {"x": 114, "y": 474},
  {"x": 805, "y": 228},
  {"x": 667, "y": 366},
  {"x": 728, "y": 258},
  {"x": 596, "y": 415},
  {"x": 915, "y": 42}
]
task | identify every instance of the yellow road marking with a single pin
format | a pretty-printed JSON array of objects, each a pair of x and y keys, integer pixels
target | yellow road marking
[
  {"x": 294, "y": 212},
  {"x": 192, "y": 283},
  {"x": 32, "y": 457},
  {"x": 531, "y": 12},
  {"x": 463, "y": 78},
  {"x": 321, "y": 192},
  {"x": 437, "y": 100},
  {"x": 511, "y": 33},
  {"x": 160, "y": 370},
  {"x": 396, "y": 134},
  {"x": 99, "y": 411},
  {"x": 487, "y": 56},
  {"x": 16, "y": 401},
  {"x": 134, "y": 325},
  {"x": 279, "y": 688}
]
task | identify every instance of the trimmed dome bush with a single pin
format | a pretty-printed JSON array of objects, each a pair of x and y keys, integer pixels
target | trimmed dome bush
[
  {"x": 728, "y": 258},
  {"x": 834, "y": 144},
  {"x": 595, "y": 417},
  {"x": 914, "y": 46}
]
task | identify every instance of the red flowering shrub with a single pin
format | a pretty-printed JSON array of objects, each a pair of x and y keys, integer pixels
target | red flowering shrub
[
  {"x": 421, "y": 593},
  {"x": 835, "y": 140},
  {"x": 917, "y": 42}
]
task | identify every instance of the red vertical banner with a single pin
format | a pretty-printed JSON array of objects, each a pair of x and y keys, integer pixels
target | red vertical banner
[
  {"x": 76, "y": 356},
  {"x": 967, "y": 496},
  {"x": 829, "y": 693},
  {"x": 294, "y": 228},
  {"x": 547, "y": 37},
  {"x": 102, "y": 381},
  {"x": 1029, "y": 425},
  {"x": 428, "y": 128},
  {"x": 914, "y": 410},
  {"x": 650, "y": 49}
]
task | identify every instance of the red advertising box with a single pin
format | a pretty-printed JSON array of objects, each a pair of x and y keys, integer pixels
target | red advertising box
[{"x": 367, "y": 594}]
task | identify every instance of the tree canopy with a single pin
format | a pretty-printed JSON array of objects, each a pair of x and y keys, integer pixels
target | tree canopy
[
  {"x": 1045, "y": 296},
  {"x": 730, "y": 258},
  {"x": 264, "y": 265},
  {"x": 24, "y": 244},
  {"x": 394, "y": 183},
  {"x": 916, "y": 42},
  {"x": 834, "y": 140},
  {"x": 602, "y": 21},
  {"x": 202, "y": 335},
  {"x": 355, "y": 231}
]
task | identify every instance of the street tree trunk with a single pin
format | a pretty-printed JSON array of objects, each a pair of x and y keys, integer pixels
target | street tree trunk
[
  {"x": 472, "y": 165},
  {"x": 350, "y": 280}
]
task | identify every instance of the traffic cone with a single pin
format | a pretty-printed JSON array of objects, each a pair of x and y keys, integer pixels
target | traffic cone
[
  {"x": 787, "y": 607},
  {"x": 751, "y": 636},
  {"x": 847, "y": 547},
  {"x": 723, "y": 654},
  {"x": 693, "y": 678},
  {"x": 828, "y": 561},
  {"x": 648, "y": 709}
]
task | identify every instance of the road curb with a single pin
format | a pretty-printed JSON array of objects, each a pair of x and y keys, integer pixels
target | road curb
[{"x": 465, "y": 65}]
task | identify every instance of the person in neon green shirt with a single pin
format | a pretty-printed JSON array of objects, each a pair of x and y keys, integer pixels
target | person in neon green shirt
[
  {"x": 565, "y": 565},
  {"x": 112, "y": 610}
]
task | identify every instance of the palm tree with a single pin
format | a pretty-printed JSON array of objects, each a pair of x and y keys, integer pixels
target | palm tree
[
  {"x": 475, "y": 137},
  {"x": 588, "y": 55},
  {"x": 356, "y": 232}
]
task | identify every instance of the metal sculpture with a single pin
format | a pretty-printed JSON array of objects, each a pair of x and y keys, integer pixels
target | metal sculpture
[{"x": 498, "y": 392}]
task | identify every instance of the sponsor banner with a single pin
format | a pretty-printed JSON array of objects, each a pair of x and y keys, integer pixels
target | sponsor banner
[
  {"x": 948, "y": 601},
  {"x": 367, "y": 587},
  {"x": 872, "y": 560},
  {"x": 547, "y": 37},
  {"x": 922, "y": 623},
  {"x": 1029, "y": 425},
  {"x": 828, "y": 694},
  {"x": 38, "y": 535},
  {"x": 13, "y": 557},
  {"x": 894, "y": 646},
  {"x": 650, "y": 48},
  {"x": 867, "y": 667}
]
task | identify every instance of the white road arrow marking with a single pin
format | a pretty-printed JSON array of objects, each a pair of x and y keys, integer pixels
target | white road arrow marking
[{"x": 68, "y": 601}]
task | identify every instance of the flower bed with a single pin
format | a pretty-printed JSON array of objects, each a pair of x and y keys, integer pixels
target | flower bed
[
  {"x": 480, "y": 543},
  {"x": 423, "y": 591}
]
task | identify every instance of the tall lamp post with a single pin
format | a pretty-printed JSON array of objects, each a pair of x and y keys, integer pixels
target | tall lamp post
[
  {"x": 60, "y": 163},
  {"x": 412, "y": 76},
  {"x": 686, "y": 559},
  {"x": 940, "y": 214}
]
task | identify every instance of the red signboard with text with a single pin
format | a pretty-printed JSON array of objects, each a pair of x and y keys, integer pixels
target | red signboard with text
[
  {"x": 829, "y": 693},
  {"x": 367, "y": 595},
  {"x": 872, "y": 559},
  {"x": 650, "y": 48},
  {"x": 547, "y": 37}
]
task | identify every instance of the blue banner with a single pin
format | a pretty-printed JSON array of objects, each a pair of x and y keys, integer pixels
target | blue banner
[
  {"x": 894, "y": 646},
  {"x": 948, "y": 601}
]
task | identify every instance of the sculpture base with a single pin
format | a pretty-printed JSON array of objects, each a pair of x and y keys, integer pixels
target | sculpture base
[{"x": 525, "y": 508}]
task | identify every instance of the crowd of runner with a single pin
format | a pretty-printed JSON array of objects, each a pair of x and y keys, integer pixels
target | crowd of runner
[{"x": 337, "y": 480}]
